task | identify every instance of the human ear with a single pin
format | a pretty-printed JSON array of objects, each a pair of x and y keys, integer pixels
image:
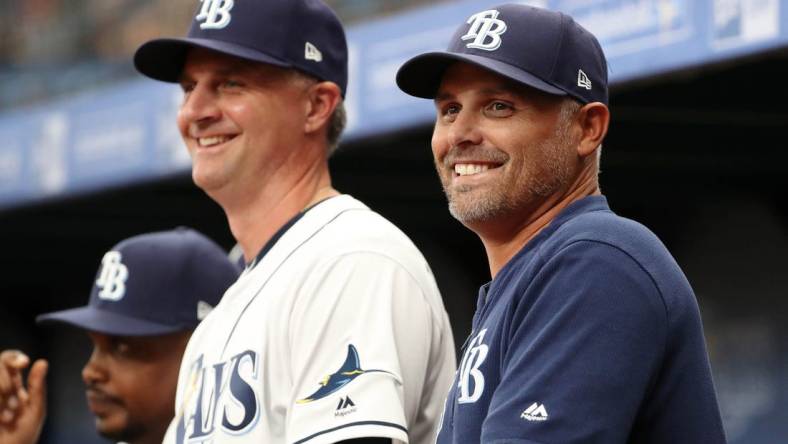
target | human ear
[
  {"x": 594, "y": 119},
  {"x": 323, "y": 98}
]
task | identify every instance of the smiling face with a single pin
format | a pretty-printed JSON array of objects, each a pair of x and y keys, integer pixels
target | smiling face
[
  {"x": 500, "y": 148},
  {"x": 241, "y": 121},
  {"x": 130, "y": 384}
]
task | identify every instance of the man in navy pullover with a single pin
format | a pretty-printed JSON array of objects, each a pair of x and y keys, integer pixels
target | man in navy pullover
[{"x": 588, "y": 332}]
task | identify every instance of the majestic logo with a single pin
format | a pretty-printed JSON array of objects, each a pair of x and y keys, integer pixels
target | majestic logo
[
  {"x": 349, "y": 371},
  {"x": 345, "y": 407},
  {"x": 215, "y": 13},
  {"x": 112, "y": 278},
  {"x": 471, "y": 379},
  {"x": 312, "y": 53},
  {"x": 582, "y": 80},
  {"x": 485, "y": 31},
  {"x": 536, "y": 412},
  {"x": 220, "y": 396}
]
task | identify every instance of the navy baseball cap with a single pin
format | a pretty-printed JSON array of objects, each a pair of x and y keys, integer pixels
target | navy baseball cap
[
  {"x": 153, "y": 284},
  {"x": 301, "y": 34},
  {"x": 543, "y": 49}
]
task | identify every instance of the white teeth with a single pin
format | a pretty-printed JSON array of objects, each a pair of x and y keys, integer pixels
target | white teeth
[
  {"x": 214, "y": 140},
  {"x": 468, "y": 169}
]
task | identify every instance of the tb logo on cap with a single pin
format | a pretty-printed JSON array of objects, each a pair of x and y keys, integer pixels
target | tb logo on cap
[
  {"x": 216, "y": 13},
  {"x": 485, "y": 30},
  {"x": 112, "y": 279}
]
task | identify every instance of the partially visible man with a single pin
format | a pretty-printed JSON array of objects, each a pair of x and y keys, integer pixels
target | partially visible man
[
  {"x": 336, "y": 330},
  {"x": 588, "y": 332},
  {"x": 150, "y": 293}
]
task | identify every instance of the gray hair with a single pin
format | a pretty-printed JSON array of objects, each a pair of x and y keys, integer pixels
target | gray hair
[
  {"x": 335, "y": 127},
  {"x": 570, "y": 107}
]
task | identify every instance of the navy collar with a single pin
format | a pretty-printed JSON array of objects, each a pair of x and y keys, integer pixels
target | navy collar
[{"x": 584, "y": 205}]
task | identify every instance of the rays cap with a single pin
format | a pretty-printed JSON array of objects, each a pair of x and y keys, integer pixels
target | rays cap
[
  {"x": 543, "y": 49},
  {"x": 300, "y": 34},
  {"x": 153, "y": 284}
]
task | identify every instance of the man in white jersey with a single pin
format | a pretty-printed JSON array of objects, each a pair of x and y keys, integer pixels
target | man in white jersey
[{"x": 335, "y": 331}]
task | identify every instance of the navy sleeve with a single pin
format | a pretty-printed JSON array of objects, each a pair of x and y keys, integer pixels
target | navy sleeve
[{"x": 582, "y": 346}]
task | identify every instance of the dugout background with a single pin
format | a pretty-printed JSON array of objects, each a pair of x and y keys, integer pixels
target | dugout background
[{"x": 697, "y": 156}]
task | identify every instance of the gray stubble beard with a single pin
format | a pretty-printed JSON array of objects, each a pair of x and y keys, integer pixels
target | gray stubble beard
[{"x": 497, "y": 203}]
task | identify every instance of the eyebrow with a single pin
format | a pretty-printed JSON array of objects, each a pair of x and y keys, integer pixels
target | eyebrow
[
  {"x": 500, "y": 89},
  {"x": 226, "y": 70},
  {"x": 441, "y": 96}
]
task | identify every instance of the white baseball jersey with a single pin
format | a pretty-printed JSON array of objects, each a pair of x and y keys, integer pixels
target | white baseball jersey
[{"x": 337, "y": 332}]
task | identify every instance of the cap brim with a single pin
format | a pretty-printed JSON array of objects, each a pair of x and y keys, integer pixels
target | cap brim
[
  {"x": 421, "y": 76},
  {"x": 107, "y": 322},
  {"x": 163, "y": 59}
]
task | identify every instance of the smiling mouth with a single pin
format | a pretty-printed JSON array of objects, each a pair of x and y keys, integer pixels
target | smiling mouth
[
  {"x": 470, "y": 169},
  {"x": 208, "y": 142}
]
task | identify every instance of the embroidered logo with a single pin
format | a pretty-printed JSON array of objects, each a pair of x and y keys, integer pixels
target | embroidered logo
[
  {"x": 536, "y": 412},
  {"x": 221, "y": 399},
  {"x": 471, "y": 379},
  {"x": 112, "y": 278},
  {"x": 350, "y": 370},
  {"x": 312, "y": 53},
  {"x": 215, "y": 14},
  {"x": 345, "y": 407},
  {"x": 485, "y": 31},
  {"x": 582, "y": 80}
]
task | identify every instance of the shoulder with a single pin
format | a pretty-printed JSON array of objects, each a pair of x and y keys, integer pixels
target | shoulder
[
  {"x": 358, "y": 223},
  {"x": 606, "y": 227},
  {"x": 580, "y": 281},
  {"x": 617, "y": 248},
  {"x": 596, "y": 280},
  {"x": 344, "y": 234},
  {"x": 356, "y": 231}
]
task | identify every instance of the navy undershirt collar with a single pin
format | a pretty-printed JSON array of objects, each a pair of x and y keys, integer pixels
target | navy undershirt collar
[{"x": 281, "y": 232}]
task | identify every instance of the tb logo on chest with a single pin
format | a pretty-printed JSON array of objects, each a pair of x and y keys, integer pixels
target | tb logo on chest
[
  {"x": 225, "y": 389},
  {"x": 471, "y": 379}
]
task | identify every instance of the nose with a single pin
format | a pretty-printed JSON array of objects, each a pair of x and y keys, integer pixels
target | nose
[
  {"x": 94, "y": 372},
  {"x": 464, "y": 130},
  {"x": 198, "y": 109}
]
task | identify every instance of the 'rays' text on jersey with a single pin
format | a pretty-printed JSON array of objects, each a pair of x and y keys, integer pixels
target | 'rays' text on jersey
[{"x": 226, "y": 389}]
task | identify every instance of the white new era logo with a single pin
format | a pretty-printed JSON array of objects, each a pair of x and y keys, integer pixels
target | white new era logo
[
  {"x": 536, "y": 412},
  {"x": 312, "y": 53},
  {"x": 203, "y": 310},
  {"x": 582, "y": 80}
]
